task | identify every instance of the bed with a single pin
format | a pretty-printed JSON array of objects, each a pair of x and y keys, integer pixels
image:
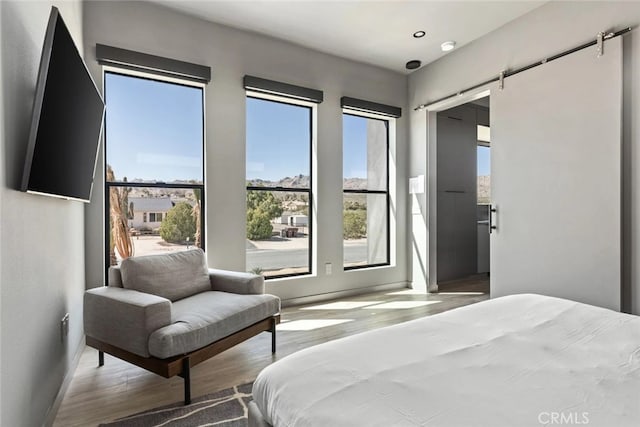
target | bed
[{"x": 521, "y": 360}]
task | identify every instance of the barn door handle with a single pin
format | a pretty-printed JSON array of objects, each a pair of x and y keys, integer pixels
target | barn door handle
[{"x": 492, "y": 210}]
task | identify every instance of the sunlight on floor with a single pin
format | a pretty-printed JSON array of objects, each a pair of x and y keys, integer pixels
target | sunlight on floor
[
  {"x": 341, "y": 305},
  {"x": 400, "y": 304},
  {"x": 310, "y": 324}
]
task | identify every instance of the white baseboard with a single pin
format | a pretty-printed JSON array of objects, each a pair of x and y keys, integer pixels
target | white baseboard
[
  {"x": 341, "y": 294},
  {"x": 53, "y": 410}
]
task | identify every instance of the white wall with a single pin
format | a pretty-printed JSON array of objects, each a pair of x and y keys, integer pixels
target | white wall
[
  {"x": 232, "y": 54},
  {"x": 550, "y": 29},
  {"x": 41, "y": 244}
]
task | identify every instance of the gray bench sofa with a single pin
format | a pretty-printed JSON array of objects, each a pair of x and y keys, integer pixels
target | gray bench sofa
[{"x": 167, "y": 313}]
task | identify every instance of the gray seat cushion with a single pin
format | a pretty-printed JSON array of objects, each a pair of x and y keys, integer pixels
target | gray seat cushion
[
  {"x": 172, "y": 276},
  {"x": 207, "y": 317}
]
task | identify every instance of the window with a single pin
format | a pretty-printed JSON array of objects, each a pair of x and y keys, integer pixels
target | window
[
  {"x": 278, "y": 174},
  {"x": 484, "y": 165},
  {"x": 155, "y": 217},
  {"x": 154, "y": 155},
  {"x": 484, "y": 174},
  {"x": 365, "y": 191}
]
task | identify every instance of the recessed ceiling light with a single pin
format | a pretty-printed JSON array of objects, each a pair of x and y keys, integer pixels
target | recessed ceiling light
[
  {"x": 413, "y": 64},
  {"x": 419, "y": 34},
  {"x": 447, "y": 46}
]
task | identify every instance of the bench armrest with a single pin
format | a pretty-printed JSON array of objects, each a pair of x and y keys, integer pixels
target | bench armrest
[
  {"x": 124, "y": 318},
  {"x": 236, "y": 282}
]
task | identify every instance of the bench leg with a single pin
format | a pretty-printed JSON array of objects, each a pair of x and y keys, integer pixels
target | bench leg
[
  {"x": 100, "y": 358},
  {"x": 273, "y": 336},
  {"x": 186, "y": 375}
]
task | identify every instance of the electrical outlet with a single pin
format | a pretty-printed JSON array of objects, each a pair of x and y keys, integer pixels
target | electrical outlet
[
  {"x": 327, "y": 268},
  {"x": 64, "y": 326}
]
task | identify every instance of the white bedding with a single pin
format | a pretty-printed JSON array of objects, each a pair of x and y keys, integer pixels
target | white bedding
[{"x": 522, "y": 360}]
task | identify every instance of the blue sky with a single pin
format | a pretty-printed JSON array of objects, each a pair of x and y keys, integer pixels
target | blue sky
[
  {"x": 154, "y": 132},
  {"x": 153, "y": 129},
  {"x": 484, "y": 160},
  {"x": 278, "y": 141},
  {"x": 354, "y": 148}
]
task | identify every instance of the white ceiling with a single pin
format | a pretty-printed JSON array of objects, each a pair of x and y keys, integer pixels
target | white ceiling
[{"x": 374, "y": 32}]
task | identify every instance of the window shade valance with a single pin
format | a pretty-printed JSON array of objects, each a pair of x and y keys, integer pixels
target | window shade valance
[
  {"x": 138, "y": 61},
  {"x": 370, "y": 107},
  {"x": 258, "y": 84}
]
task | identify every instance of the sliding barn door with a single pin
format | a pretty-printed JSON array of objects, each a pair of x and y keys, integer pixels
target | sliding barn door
[{"x": 556, "y": 179}]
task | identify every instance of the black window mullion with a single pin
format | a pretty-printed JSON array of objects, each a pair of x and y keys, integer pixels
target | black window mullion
[
  {"x": 386, "y": 125},
  {"x": 350, "y": 190},
  {"x": 107, "y": 228},
  {"x": 284, "y": 189},
  {"x": 310, "y": 197}
]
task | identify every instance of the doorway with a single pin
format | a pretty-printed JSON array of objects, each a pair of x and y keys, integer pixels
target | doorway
[{"x": 463, "y": 197}]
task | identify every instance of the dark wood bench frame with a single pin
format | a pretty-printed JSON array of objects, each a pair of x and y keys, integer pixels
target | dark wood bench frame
[{"x": 181, "y": 365}]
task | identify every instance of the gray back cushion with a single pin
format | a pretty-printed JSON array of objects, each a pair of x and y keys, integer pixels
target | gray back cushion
[
  {"x": 173, "y": 276},
  {"x": 115, "y": 278}
]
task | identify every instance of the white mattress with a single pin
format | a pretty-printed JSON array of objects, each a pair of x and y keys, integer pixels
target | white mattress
[{"x": 522, "y": 360}]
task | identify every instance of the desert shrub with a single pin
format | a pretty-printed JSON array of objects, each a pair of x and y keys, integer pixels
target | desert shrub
[
  {"x": 354, "y": 224},
  {"x": 179, "y": 224},
  {"x": 264, "y": 201},
  {"x": 262, "y": 207},
  {"x": 258, "y": 225},
  {"x": 257, "y": 270}
]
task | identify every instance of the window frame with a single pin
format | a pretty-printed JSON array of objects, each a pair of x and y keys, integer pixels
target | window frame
[
  {"x": 310, "y": 106},
  {"x": 387, "y": 122},
  {"x": 158, "y": 184}
]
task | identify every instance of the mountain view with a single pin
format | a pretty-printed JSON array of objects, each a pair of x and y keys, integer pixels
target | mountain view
[
  {"x": 303, "y": 181},
  {"x": 299, "y": 181}
]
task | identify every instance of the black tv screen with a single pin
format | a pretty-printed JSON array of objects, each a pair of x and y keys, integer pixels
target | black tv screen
[{"x": 66, "y": 120}]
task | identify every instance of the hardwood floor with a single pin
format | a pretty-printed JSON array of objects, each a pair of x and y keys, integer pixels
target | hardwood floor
[
  {"x": 476, "y": 283},
  {"x": 118, "y": 389}
]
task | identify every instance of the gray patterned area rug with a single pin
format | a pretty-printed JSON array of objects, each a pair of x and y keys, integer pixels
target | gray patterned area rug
[{"x": 226, "y": 408}]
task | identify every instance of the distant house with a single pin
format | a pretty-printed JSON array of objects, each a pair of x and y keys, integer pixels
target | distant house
[
  {"x": 148, "y": 212},
  {"x": 298, "y": 220},
  {"x": 293, "y": 220}
]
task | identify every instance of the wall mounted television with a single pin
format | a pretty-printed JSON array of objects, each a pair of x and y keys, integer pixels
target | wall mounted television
[{"x": 66, "y": 121}]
